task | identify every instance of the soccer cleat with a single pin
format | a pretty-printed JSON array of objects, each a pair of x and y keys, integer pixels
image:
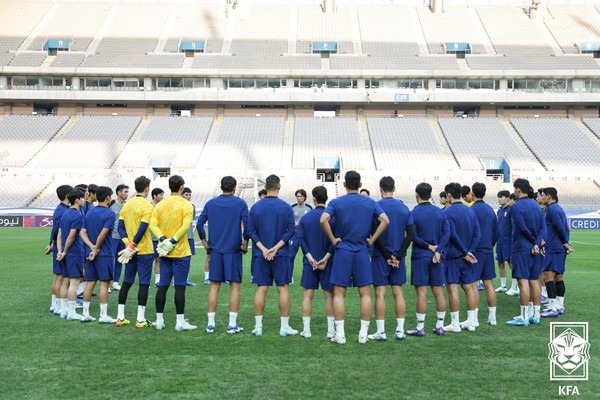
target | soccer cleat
[
  {"x": 257, "y": 332},
  {"x": 400, "y": 335},
  {"x": 468, "y": 327},
  {"x": 338, "y": 339},
  {"x": 287, "y": 332},
  {"x": 439, "y": 331},
  {"x": 534, "y": 321},
  {"x": 232, "y": 330},
  {"x": 492, "y": 322},
  {"x": 74, "y": 317},
  {"x": 122, "y": 322},
  {"x": 379, "y": 336},
  {"x": 185, "y": 326},
  {"x": 106, "y": 320},
  {"x": 545, "y": 300},
  {"x": 480, "y": 286},
  {"x": 51, "y": 309},
  {"x": 362, "y": 339},
  {"x": 207, "y": 281},
  {"x": 465, "y": 323},
  {"x": 190, "y": 283},
  {"x": 56, "y": 312},
  {"x": 330, "y": 335},
  {"x": 116, "y": 286},
  {"x": 501, "y": 289},
  {"x": 452, "y": 328},
  {"x": 63, "y": 314},
  {"x": 512, "y": 292},
  {"x": 144, "y": 324},
  {"x": 550, "y": 313},
  {"x": 561, "y": 311},
  {"x": 306, "y": 334},
  {"x": 160, "y": 326},
  {"x": 518, "y": 322},
  {"x": 87, "y": 318},
  {"x": 416, "y": 332},
  {"x": 210, "y": 329}
]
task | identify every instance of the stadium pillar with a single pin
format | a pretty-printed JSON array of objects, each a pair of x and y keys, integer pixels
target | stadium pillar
[
  {"x": 3, "y": 82},
  {"x": 148, "y": 84},
  {"x": 437, "y": 6},
  {"x": 328, "y": 6},
  {"x": 75, "y": 83},
  {"x": 503, "y": 84}
]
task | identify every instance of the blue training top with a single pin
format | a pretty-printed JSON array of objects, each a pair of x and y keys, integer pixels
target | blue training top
[
  {"x": 431, "y": 227},
  {"x": 465, "y": 232},
  {"x": 72, "y": 219},
  {"x": 269, "y": 221},
  {"x": 400, "y": 218},
  {"x": 97, "y": 219},
  {"x": 225, "y": 215},
  {"x": 488, "y": 224}
]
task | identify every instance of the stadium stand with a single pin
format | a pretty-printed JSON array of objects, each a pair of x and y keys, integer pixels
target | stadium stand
[
  {"x": 546, "y": 138},
  {"x": 571, "y": 25},
  {"x": 23, "y": 188},
  {"x": 22, "y": 136},
  {"x": 197, "y": 22},
  {"x": 388, "y": 31},
  {"x": 93, "y": 141},
  {"x": 17, "y": 20},
  {"x": 472, "y": 139},
  {"x": 407, "y": 144},
  {"x": 326, "y": 137},
  {"x": 28, "y": 59},
  {"x": 593, "y": 124},
  {"x": 186, "y": 138},
  {"x": 314, "y": 25}
]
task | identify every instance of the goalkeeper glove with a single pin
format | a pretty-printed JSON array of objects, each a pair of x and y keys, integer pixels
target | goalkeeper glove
[
  {"x": 127, "y": 253},
  {"x": 166, "y": 246}
]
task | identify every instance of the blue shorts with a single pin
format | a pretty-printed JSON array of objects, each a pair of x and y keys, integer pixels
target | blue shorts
[
  {"x": 192, "y": 246},
  {"x": 485, "y": 268},
  {"x": 351, "y": 268},
  {"x": 72, "y": 266},
  {"x": 140, "y": 265},
  {"x": 265, "y": 272},
  {"x": 526, "y": 265},
  {"x": 117, "y": 246},
  {"x": 56, "y": 268},
  {"x": 459, "y": 271},
  {"x": 225, "y": 267},
  {"x": 425, "y": 273},
  {"x": 555, "y": 262},
  {"x": 503, "y": 252},
  {"x": 177, "y": 269},
  {"x": 311, "y": 279},
  {"x": 99, "y": 269},
  {"x": 385, "y": 275}
]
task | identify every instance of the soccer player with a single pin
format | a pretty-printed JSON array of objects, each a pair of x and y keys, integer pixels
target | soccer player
[
  {"x": 354, "y": 215},
  {"x": 443, "y": 200},
  {"x": 92, "y": 196},
  {"x": 57, "y": 301},
  {"x": 187, "y": 194},
  {"x": 316, "y": 262},
  {"x": 557, "y": 249},
  {"x": 171, "y": 219},
  {"x": 466, "y": 195},
  {"x": 484, "y": 252},
  {"x": 388, "y": 261},
  {"x": 365, "y": 192},
  {"x": 301, "y": 207},
  {"x": 527, "y": 236},
  {"x": 465, "y": 234},
  {"x": 431, "y": 236},
  {"x": 504, "y": 240},
  {"x": 70, "y": 253},
  {"x": 97, "y": 228},
  {"x": 138, "y": 255},
  {"x": 225, "y": 215},
  {"x": 122, "y": 192},
  {"x": 271, "y": 226},
  {"x": 84, "y": 188},
  {"x": 157, "y": 195}
]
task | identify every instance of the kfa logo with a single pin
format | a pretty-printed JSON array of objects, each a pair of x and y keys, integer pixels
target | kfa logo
[{"x": 569, "y": 351}]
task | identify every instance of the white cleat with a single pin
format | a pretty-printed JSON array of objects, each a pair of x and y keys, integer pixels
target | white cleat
[
  {"x": 74, "y": 317},
  {"x": 160, "y": 326},
  {"x": 107, "y": 320},
  {"x": 338, "y": 339},
  {"x": 362, "y": 339},
  {"x": 400, "y": 335},
  {"x": 87, "y": 318},
  {"x": 379, "y": 336},
  {"x": 452, "y": 328},
  {"x": 330, "y": 335},
  {"x": 63, "y": 314},
  {"x": 116, "y": 286},
  {"x": 185, "y": 326},
  {"x": 492, "y": 322},
  {"x": 257, "y": 332},
  {"x": 501, "y": 289},
  {"x": 288, "y": 332},
  {"x": 306, "y": 334},
  {"x": 512, "y": 292}
]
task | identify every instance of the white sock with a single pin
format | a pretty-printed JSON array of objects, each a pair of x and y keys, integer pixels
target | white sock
[
  {"x": 544, "y": 291},
  {"x": 121, "y": 311},
  {"x": 454, "y": 318},
  {"x": 205, "y": 275},
  {"x": 492, "y": 316},
  {"x": 536, "y": 311},
  {"x": 53, "y": 301},
  {"x": 561, "y": 301},
  {"x": 503, "y": 282},
  {"x": 180, "y": 319},
  {"x": 339, "y": 328},
  {"x": 530, "y": 309},
  {"x": 103, "y": 309},
  {"x": 514, "y": 284},
  {"x": 65, "y": 305},
  {"x": 211, "y": 318},
  {"x": 80, "y": 288},
  {"x": 258, "y": 321},
  {"x": 141, "y": 313},
  {"x": 380, "y": 325},
  {"x": 364, "y": 327},
  {"x": 306, "y": 324},
  {"x": 160, "y": 318},
  {"x": 440, "y": 319},
  {"x": 524, "y": 310},
  {"x": 233, "y": 318},
  {"x": 71, "y": 307},
  {"x": 330, "y": 324},
  {"x": 400, "y": 325},
  {"x": 156, "y": 279},
  {"x": 285, "y": 323},
  {"x": 420, "y": 321},
  {"x": 554, "y": 305},
  {"x": 471, "y": 317},
  {"x": 86, "y": 308},
  {"x": 476, "y": 316}
]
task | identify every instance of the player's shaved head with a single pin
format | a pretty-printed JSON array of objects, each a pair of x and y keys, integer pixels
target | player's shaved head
[
  {"x": 387, "y": 184},
  {"x": 352, "y": 180},
  {"x": 228, "y": 184},
  {"x": 320, "y": 194},
  {"x": 272, "y": 183},
  {"x": 175, "y": 183},
  {"x": 424, "y": 190}
]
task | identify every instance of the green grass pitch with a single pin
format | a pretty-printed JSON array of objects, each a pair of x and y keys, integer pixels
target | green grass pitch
[{"x": 42, "y": 356}]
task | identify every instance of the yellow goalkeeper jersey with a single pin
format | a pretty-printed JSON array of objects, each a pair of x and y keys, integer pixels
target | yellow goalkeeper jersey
[
  {"x": 133, "y": 213},
  {"x": 172, "y": 217}
]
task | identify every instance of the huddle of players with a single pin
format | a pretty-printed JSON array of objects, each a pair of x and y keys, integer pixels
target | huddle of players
[{"x": 452, "y": 247}]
